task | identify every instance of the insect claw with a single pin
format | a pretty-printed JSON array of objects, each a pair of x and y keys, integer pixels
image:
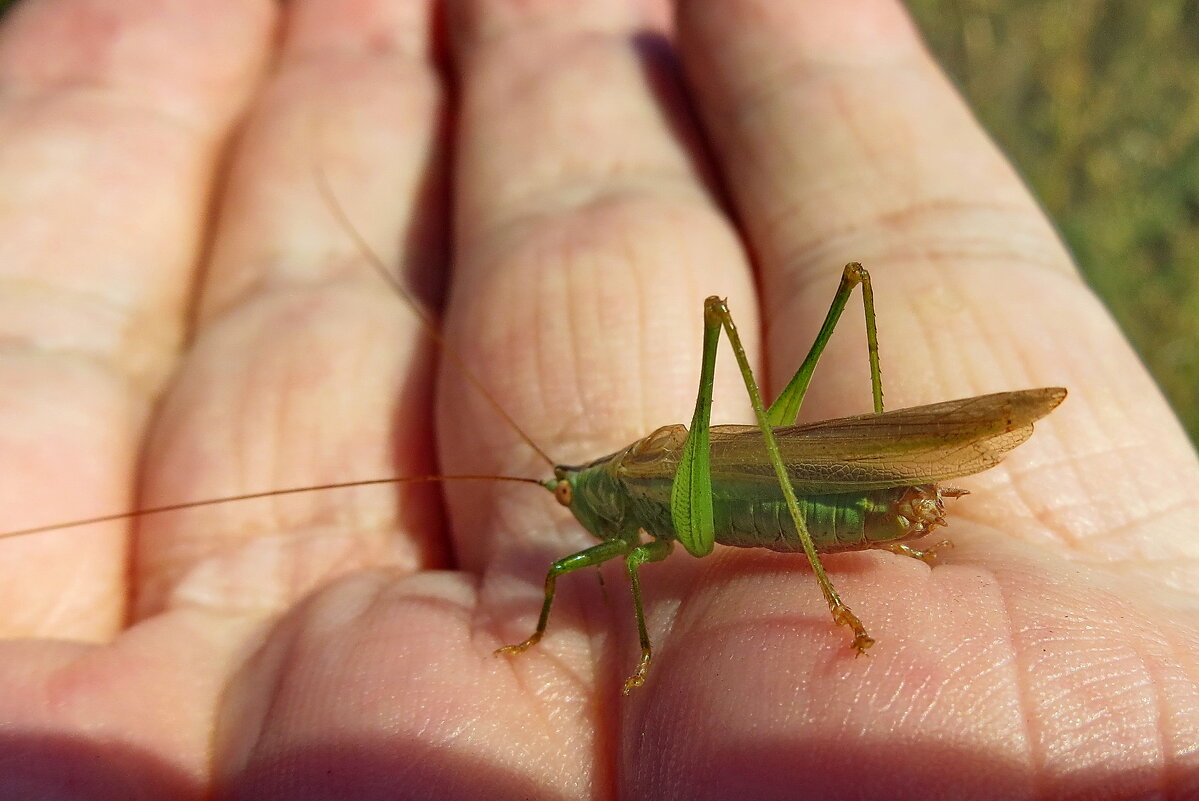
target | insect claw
[
  {"x": 519, "y": 648},
  {"x": 843, "y": 616},
  {"x": 927, "y": 555},
  {"x": 940, "y": 546},
  {"x": 638, "y": 677}
]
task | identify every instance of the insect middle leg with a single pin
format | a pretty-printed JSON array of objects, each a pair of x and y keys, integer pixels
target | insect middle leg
[
  {"x": 595, "y": 555},
  {"x": 654, "y": 551}
]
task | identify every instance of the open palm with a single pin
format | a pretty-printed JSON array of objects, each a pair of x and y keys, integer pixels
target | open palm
[{"x": 591, "y": 190}]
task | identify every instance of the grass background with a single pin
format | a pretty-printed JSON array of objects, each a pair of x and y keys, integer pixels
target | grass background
[{"x": 1097, "y": 103}]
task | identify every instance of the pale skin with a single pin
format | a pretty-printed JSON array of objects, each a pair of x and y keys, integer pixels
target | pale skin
[{"x": 1049, "y": 654}]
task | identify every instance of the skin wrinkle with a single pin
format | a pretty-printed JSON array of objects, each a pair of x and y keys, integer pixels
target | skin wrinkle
[
  {"x": 106, "y": 95},
  {"x": 638, "y": 345},
  {"x": 1066, "y": 530},
  {"x": 547, "y": 26},
  {"x": 872, "y": 152},
  {"x": 577, "y": 346},
  {"x": 1158, "y": 732},
  {"x": 106, "y": 361},
  {"x": 1097, "y": 716},
  {"x": 1165, "y": 513},
  {"x": 933, "y": 365},
  {"x": 635, "y": 342},
  {"x": 567, "y": 174},
  {"x": 516, "y": 457},
  {"x": 540, "y": 366},
  {"x": 985, "y": 703},
  {"x": 969, "y": 311},
  {"x": 1069, "y": 531},
  {"x": 1018, "y": 485},
  {"x": 1066, "y": 742},
  {"x": 943, "y": 211},
  {"x": 947, "y": 214},
  {"x": 1022, "y": 686},
  {"x": 382, "y": 45},
  {"x": 110, "y": 348},
  {"x": 630, "y": 186},
  {"x": 797, "y": 76},
  {"x": 1020, "y": 360},
  {"x": 1171, "y": 766},
  {"x": 1098, "y": 549},
  {"x": 1145, "y": 486}
]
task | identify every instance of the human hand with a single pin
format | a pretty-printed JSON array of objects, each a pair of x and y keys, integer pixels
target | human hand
[{"x": 1046, "y": 655}]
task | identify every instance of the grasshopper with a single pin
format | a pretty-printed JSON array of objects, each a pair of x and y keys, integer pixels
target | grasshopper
[{"x": 852, "y": 483}]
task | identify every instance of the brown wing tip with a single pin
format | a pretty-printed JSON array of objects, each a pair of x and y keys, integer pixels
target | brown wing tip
[{"x": 1030, "y": 405}]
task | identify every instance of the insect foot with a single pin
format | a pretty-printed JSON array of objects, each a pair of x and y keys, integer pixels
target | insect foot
[
  {"x": 927, "y": 555},
  {"x": 519, "y": 648},
  {"x": 638, "y": 677},
  {"x": 844, "y": 616}
]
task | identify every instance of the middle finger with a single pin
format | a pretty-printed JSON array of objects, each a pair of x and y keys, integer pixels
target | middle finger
[{"x": 586, "y": 237}]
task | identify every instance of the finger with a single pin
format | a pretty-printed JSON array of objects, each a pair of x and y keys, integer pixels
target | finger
[
  {"x": 843, "y": 141},
  {"x": 424, "y": 633},
  {"x": 806, "y": 101},
  {"x": 860, "y": 151},
  {"x": 307, "y": 369},
  {"x": 586, "y": 238},
  {"x": 111, "y": 118}
]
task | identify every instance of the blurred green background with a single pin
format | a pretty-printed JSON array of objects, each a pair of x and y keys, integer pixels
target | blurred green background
[{"x": 1097, "y": 103}]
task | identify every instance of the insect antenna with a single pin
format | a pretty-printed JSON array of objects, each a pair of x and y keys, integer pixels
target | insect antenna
[
  {"x": 426, "y": 321},
  {"x": 175, "y": 507}
]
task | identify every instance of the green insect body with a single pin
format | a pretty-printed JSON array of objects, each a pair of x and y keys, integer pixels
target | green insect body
[
  {"x": 759, "y": 518},
  {"x": 868, "y": 481},
  {"x": 859, "y": 501}
]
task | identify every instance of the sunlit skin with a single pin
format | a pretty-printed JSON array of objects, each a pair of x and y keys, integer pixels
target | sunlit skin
[{"x": 1048, "y": 655}]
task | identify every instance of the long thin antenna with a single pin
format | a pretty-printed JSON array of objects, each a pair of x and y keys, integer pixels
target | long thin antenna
[
  {"x": 430, "y": 327},
  {"x": 174, "y": 507}
]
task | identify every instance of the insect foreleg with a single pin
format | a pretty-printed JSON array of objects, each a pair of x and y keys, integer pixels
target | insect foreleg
[
  {"x": 595, "y": 555},
  {"x": 785, "y": 409},
  {"x": 654, "y": 551}
]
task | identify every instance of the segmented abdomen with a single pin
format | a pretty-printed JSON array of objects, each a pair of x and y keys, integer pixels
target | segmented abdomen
[{"x": 841, "y": 522}]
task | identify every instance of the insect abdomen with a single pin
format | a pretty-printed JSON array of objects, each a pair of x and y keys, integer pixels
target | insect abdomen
[{"x": 838, "y": 522}]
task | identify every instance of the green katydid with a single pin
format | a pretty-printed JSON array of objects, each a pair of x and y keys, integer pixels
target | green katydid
[
  {"x": 853, "y": 483},
  {"x": 868, "y": 481}
]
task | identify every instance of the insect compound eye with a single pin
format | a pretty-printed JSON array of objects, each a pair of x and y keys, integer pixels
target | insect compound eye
[{"x": 564, "y": 493}]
